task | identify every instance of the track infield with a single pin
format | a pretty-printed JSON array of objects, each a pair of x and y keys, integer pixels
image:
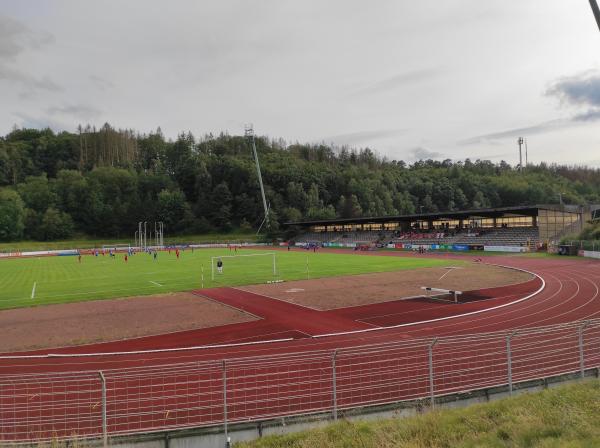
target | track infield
[
  {"x": 342, "y": 292},
  {"x": 234, "y": 315}
]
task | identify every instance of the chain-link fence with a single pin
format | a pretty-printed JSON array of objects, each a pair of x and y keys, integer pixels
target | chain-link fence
[{"x": 36, "y": 407}]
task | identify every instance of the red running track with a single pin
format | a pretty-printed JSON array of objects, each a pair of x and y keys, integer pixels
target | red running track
[{"x": 58, "y": 396}]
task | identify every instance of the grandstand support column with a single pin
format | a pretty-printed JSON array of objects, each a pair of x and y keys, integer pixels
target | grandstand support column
[
  {"x": 431, "y": 376},
  {"x": 334, "y": 383},
  {"x": 104, "y": 421}
]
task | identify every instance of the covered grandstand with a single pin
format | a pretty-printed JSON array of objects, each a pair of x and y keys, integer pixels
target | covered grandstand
[{"x": 517, "y": 228}]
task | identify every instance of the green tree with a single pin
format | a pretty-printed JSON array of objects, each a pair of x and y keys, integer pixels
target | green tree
[
  {"x": 55, "y": 225},
  {"x": 37, "y": 194},
  {"x": 12, "y": 215},
  {"x": 172, "y": 209},
  {"x": 220, "y": 206}
]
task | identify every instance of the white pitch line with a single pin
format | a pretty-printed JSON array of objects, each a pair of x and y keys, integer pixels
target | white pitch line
[
  {"x": 447, "y": 272},
  {"x": 157, "y": 284},
  {"x": 33, "y": 290}
]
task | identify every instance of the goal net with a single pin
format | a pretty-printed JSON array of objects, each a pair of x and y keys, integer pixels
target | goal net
[{"x": 244, "y": 268}]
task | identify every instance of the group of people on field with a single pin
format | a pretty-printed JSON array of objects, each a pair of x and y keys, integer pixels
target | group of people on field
[{"x": 130, "y": 252}]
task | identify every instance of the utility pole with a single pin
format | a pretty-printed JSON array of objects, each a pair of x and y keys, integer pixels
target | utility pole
[
  {"x": 520, "y": 142},
  {"x": 596, "y": 11},
  {"x": 249, "y": 133}
]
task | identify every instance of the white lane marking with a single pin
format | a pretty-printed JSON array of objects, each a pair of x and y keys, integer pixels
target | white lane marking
[
  {"x": 154, "y": 283},
  {"x": 33, "y": 290}
]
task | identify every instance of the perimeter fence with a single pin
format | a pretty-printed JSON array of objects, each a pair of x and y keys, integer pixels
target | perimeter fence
[{"x": 102, "y": 404}]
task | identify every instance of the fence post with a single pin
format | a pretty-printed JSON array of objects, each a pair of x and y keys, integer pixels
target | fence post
[
  {"x": 431, "y": 384},
  {"x": 581, "y": 353},
  {"x": 104, "y": 422},
  {"x": 334, "y": 379},
  {"x": 227, "y": 441},
  {"x": 509, "y": 361}
]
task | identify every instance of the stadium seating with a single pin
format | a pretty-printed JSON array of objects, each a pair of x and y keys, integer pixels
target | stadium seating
[{"x": 510, "y": 236}]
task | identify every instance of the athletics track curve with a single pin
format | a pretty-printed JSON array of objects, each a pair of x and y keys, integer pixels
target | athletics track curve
[{"x": 571, "y": 294}]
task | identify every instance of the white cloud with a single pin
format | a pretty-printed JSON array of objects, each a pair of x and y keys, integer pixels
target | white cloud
[
  {"x": 395, "y": 77},
  {"x": 421, "y": 153}
]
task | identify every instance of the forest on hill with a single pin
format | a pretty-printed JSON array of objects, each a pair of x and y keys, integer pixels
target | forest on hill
[{"x": 101, "y": 182}]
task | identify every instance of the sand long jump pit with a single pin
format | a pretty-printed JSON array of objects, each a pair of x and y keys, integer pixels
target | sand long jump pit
[
  {"x": 70, "y": 324},
  {"x": 365, "y": 289}
]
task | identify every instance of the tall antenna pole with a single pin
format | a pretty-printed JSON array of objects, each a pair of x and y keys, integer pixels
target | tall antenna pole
[
  {"x": 526, "y": 155},
  {"x": 596, "y": 11},
  {"x": 520, "y": 142},
  {"x": 249, "y": 133}
]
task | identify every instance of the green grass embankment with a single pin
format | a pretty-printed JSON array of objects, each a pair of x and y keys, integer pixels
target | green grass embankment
[{"x": 566, "y": 416}]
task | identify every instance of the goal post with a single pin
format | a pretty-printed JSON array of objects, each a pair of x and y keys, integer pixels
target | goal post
[{"x": 255, "y": 266}]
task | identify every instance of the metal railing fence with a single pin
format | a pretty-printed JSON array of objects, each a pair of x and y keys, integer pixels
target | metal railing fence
[{"x": 101, "y": 404}]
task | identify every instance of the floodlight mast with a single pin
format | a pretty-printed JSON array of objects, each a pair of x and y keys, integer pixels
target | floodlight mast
[
  {"x": 249, "y": 133},
  {"x": 596, "y": 11}
]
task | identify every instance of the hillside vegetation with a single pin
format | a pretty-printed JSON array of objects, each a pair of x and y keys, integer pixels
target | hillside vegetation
[
  {"x": 101, "y": 182},
  {"x": 567, "y": 416}
]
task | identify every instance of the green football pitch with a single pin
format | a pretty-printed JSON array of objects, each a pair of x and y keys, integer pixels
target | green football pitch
[{"x": 45, "y": 280}]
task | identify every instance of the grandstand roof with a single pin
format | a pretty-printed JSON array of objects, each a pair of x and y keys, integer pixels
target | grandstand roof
[{"x": 525, "y": 210}]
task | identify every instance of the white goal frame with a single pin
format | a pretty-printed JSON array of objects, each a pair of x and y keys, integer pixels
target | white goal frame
[{"x": 265, "y": 254}]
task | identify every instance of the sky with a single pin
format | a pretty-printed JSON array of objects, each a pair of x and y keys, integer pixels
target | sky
[{"x": 429, "y": 79}]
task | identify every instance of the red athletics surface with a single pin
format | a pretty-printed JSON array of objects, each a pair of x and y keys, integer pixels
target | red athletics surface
[
  {"x": 178, "y": 389},
  {"x": 420, "y": 309}
]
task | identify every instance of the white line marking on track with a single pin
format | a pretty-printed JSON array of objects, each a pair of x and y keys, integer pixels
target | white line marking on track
[
  {"x": 33, "y": 290},
  {"x": 140, "y": 352},
  {"x": 154, "y": 283}
]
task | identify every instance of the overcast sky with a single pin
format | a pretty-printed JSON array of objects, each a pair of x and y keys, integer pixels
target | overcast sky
[{"x": 410, "y": 79}]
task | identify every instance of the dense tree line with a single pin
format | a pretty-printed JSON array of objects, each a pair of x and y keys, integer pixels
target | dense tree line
[{"x": 103, "y": 181}]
